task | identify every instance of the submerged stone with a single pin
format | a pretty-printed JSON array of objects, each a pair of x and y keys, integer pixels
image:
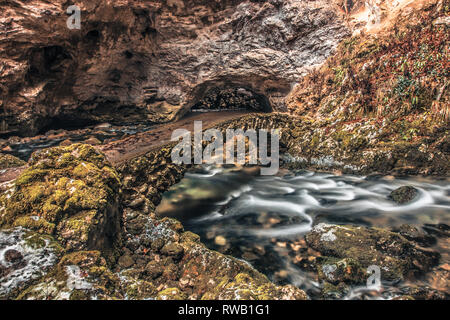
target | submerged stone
[
  {"x": 396, "y": 256},
  {"x": 336, "y": 270},
  {"x": 413, "y": 234},
  {"x": 404, "y": 194}
]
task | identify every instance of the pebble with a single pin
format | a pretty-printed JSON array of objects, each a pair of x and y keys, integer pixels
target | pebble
[
  {"x": 125, "y": 261},
  {"x": 66, "y": 143},
  {"x": 173, "y": 249},
  {"x": 220, "y": 241}
]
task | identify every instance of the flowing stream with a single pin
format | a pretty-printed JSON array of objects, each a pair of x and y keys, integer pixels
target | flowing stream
[{"x": 263, "y": 219}]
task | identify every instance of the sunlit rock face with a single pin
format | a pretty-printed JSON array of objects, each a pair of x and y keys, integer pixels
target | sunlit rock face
[{"x": 152, "y": 60}]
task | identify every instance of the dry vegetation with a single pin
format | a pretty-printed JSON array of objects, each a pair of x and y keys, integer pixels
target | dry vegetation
[{"x": 399, "y": 73}]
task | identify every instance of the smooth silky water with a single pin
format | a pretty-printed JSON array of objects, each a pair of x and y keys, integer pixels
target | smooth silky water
[{"x": 263, "y": 219}]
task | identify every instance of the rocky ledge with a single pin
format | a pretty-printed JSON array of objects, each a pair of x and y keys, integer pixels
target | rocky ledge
[
  {"x": 74, "y": 227},
  {"x": 72, "y": 230},
  {"x": 137, "y": 61}
]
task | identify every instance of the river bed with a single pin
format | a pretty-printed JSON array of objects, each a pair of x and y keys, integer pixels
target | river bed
[{"x": 263, "y": 219}]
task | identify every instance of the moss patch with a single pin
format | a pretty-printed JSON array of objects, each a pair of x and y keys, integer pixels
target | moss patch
[
  {"x": 69, "y": 192},
  {"x": 8, "y": 161}
]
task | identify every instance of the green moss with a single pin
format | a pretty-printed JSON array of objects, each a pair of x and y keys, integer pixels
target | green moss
[
  {"x": 251, "y": 287},
  {"x": 73, "y": 190},
  {"x": 140, "y": 290},
  {"x": 362, "y": 247},
  {"x": 8, "y": 161},
  {"x": 171, "y": 294},
  {"x": 30, "y": 176},
  {"x": 78, "y": 295},
  {"x": 35, "y": 224},
  {"x": 38, "y": 240},
  {"x": 82, "y": 258}
]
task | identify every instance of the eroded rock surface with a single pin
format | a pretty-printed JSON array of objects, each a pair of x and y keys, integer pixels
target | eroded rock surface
[
  {"x": 84, "y": 246},
  {"x": 69, "y": 192},
  {"x": 146, "y": 60},
  {"x": 24, "y": 256},
  {"x": 397, "y": 257}
]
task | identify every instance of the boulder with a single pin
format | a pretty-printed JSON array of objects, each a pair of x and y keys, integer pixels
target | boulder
[
  {"x": 71, "y": 193},
  {"x": 396, "y": 256},
  {"x": 8, "y": 161},
  {"x": 404, "y": 194}
]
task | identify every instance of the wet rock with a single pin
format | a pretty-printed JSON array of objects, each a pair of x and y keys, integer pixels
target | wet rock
[
  {"x": 157, "y": 244},
  {"x": 404, "y": 194},
  {"x": 132, "y": 245},
  {"x": 414, "y": 234},
  {"x": 28, "y": 255},
  {"x": 136, "y": 226},
  {"x": 154, "y": 269},
  {"x": 335, "y": 271},
  {"x": 103, "y": 126},
  {"x": 79, "y": 295},
  {"x": 3, "y": 271},
  {"x": 439, "y": 278},
  {"x": 333, "y": 292},
  {"x": 141, "y": 261},
  {"x": 173, "y": 249},
  {"x": 93, "y": 141},
  {"x": 70, "y": 192},
  {"x": 425, "y": 293},
  {"x": 190, "y": 236},
  {"x": 78, "y": 275},
  {"x": 131, "y": 214},
  {"x": 245, "y": 287},
  {"x": 220, "y": 241},
  {"x": 125, "y": 261},
  {"x": 396, "y": 256},
  {"x": 13, "y": 256},
  {"x": 171, "y": 272},
  {"x": 249, "y": 256},
  {"x": 9, "y": 161},
  {"x": 138, "y": 202},
  {"x": 66, "y": 143},
  {"x": 440, "y": 230},
  {"x": 171, "y": 294}
]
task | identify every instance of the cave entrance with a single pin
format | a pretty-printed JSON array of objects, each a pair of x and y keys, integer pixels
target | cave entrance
[{"x": 232, "y": 99}]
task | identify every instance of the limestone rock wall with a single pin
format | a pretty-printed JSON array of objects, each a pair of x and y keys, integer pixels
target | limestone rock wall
[{"x": 152, "y": 60}]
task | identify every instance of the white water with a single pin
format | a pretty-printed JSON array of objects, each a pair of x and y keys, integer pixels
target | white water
[{"x": 260, "y": 211}]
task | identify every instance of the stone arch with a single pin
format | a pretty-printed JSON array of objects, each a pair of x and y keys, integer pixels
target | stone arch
[{"x": 254, "y": 95}]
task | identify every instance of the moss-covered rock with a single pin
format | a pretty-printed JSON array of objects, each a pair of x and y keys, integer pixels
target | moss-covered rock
[
  {"x": 70, "y": 192},
  {"x": 171, "y": 294},
  {"x": 332, "y": 292},
  {"x": 395, "y": 255},
  {"x": 81, "y": 275},
  {"x": 404, "y": 194},
  {"x": 8, "y": 161},
  {"x": 336, "y": 270},
  {"x": 246, "y": 287}
]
